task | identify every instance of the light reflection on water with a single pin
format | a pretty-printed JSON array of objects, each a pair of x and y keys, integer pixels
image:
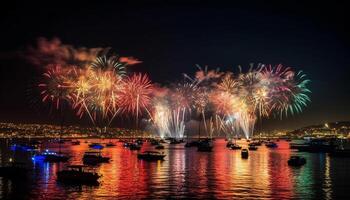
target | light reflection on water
[{"x": 186, "y": 173}]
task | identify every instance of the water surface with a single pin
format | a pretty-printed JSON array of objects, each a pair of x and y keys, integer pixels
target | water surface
[{"x": 186, "y": 173}]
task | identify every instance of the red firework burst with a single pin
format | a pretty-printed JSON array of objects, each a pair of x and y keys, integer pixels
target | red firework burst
[{"x": 135, "y": 96}]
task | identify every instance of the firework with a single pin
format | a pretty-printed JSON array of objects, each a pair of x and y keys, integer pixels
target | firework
[
  {"x": 162, "y": 118},
  {"x": 183, "y": 98},
  {"x": 232, "y": 104},
  {"x": 101, "y": 95},
  {"x": 56, "y": 86},
  {"x": 287, "y": 91},
  {"x": 97, "y": 90},
  {"x": 228, "y": 84},
  {"x": 168, "y": 122},
  {"x": 110, "y": 64},
  {"x": 184, "y": 95},
  {"x": 135, "y": 96}
]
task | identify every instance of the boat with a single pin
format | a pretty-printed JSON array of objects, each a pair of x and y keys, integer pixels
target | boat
[
  {"x": 151, "y": 155},
  {"x": 139, "y": 141},
  {"x": 188, "y": 144},
  {"x": 110, "y": 144},
  {"x": 75, "y": 142},
  {"x": 205, "y": 146},
  {"x": 134, "y": 146},
  {"x": 271, "y": 145},
  {"x": 235, "y": 147},
  {"x": 296, "y": 161},
  {"x": 13, "y": 170},
  {"x": 160, "y": 147},
  {"x": 161, "y": 141},
  {"x": 50, "y": 156},
  {"x": 244, "y": 154},
  {"x": 175, "y": 141},
  {"x": 255, "y": 143},
  {"x": 24, "y": 147},
  {"x": 126, "y": 144},
  {"x": 78, "y": 174},
  {"x": 154, "y": 142},
  {"x": 252, "y": 148},
  {"x": 192, "y": 144},
  {"x": 228, "y": 144},
  {"x": 96, "y": 146},
  {"x": 94, "y": 157}
]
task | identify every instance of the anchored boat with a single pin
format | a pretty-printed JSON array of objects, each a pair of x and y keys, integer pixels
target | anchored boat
[
  {"x": 78, "y": 174},
  {"x": 271, "y": 145},
  {"x": 50, "y": 156},
  {"x": 151, "y": 155},
  {"x": 94, "y": 157},
  {"x": 159, "y": 147},
  {"x": 96, "y": 146},
  {"x": 252, "y": 148},
  {"x": 244, "y": 154},
  {"x": 296, "y": 161},
  {"x": 76, "y": 142}
]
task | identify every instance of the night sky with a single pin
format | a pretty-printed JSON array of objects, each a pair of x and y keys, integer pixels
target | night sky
[{"x": 170, "y": 38}]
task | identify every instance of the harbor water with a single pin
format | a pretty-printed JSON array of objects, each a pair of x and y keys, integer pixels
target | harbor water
[{"x": 185, "y": 173}]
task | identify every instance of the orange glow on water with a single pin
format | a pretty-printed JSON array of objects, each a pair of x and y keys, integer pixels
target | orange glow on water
[{"x": 185, "y": 173}]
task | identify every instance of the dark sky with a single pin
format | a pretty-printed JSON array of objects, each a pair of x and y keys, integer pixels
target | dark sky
[{"x": 170, "y": 38}]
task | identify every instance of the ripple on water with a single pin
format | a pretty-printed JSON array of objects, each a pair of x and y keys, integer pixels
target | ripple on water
[{"x": 188, "y": 174}]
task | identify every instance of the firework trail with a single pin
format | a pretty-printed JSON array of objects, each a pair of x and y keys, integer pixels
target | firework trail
[
  {"x": 162, "y": 119},
  {"x": 213, "y": 126},
  {"x": 169, "y": 118},
  {"x": 182, "y": 100},
  {"x": 203, "y": 82}
]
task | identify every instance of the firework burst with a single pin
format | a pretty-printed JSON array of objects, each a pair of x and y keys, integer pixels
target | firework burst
[
  {"x": 56, "y": 86},
  {"x": 97, "y": 90},
  {"x": 135, "y": 96},
  {"x": 288, "y": 91},
  {"x": 112, "y": 63},
  {"x": 232, "y": 104}
]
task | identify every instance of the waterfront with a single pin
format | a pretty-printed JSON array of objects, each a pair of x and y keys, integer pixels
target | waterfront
[{"x": 186, "y": 173}]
